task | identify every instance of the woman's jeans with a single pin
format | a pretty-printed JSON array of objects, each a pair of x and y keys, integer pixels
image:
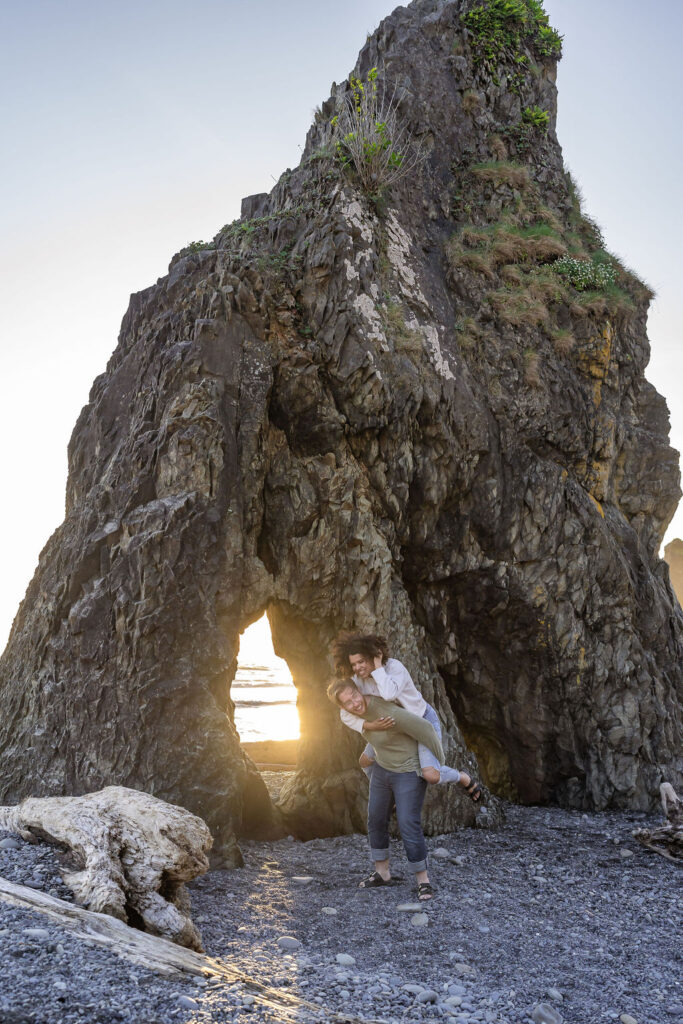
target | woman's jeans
[
  {"x": 427, "y": 758},
  {"x": 407, "y": 791}
]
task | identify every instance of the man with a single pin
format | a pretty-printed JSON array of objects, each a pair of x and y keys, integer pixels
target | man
[
  {"x": 396, "y": 778},
  {"x": 375, "y": 673}
]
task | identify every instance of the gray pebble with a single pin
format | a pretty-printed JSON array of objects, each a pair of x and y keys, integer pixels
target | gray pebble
[
  {"x": 329, "y": 910},
  {"x": 428, "y": 995},
  {"x": 441, "y": 853},
  {"x": 345, "y": 959},
  {"x": 419, "y": 920},
  {"x": 188, "y": 1003},
  {"x": 36, "y": 933},
  {"x": 10, "y": 844},
  {"x": 288, "y": 942},
  {"x": 544, "y": 1013},
  {"x": 303, "y": 879},
  {"x": 376, "y": 989}
]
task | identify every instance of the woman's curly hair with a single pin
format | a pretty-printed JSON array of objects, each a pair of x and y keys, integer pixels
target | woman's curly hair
[{"x": 368, "y": 644}]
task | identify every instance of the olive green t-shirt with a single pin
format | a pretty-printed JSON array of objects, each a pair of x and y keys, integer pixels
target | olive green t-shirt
[{"x": 396, "y": 748}]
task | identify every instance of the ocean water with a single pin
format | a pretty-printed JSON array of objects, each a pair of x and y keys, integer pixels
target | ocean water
[{"x": 265, "y": 703}]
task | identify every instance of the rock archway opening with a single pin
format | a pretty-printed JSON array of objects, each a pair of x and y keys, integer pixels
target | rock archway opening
[
  {"x": 264, "y": 701},
  {"x": 291, "y": 732}
]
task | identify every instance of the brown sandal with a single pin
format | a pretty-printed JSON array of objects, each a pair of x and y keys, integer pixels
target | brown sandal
[
  {"x": 375, "y": 881},
  {"x": 473, "y": 791},
  {"x": 425, "y": 891}
]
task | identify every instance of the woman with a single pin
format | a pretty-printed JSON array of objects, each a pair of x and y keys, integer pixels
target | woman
[{"x": 375, "y": 673}]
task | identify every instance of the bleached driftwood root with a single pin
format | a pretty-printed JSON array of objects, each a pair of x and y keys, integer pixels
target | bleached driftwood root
[
  {"x": 667, "y": 839},
  {"x": 164, "y": 957},
  {"x": 132, "y": 853}
]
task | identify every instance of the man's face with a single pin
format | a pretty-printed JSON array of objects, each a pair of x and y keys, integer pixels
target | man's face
[
  {"x": 352, "y": 701},
  {"x": 361, "y": 666}
]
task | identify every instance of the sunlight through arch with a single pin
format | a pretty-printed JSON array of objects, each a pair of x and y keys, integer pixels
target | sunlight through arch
[{"x": 263, "y": 690}]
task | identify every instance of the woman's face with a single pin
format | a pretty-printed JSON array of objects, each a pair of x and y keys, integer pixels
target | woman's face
[{"x": 361, "y": 666}]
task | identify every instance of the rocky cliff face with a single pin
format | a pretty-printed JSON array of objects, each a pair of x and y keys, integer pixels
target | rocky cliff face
[{"x": 390, "y": 413}]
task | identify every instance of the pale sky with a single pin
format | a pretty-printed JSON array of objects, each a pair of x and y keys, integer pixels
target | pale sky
[
  {"x": 131, "y": 129},
  {"x": 256, "y": 648}
]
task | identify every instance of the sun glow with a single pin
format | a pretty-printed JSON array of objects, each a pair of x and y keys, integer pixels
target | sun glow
[{"x": 263, "y": 690}]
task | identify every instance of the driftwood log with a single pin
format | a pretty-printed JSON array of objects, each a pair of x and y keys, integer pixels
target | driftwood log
[
  {"x": 129, "y": 854},
  {"x": 668, "y": 838},
  {"x": 166, "y": 958}
]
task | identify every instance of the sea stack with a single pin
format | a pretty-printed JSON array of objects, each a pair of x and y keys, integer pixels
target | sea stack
[{"x": 418, "y": 410}]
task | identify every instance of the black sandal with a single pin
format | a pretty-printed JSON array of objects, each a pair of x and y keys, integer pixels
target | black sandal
[
  {"x": 425, "y": 891},
  {"x": 473, "y": 791},
  {"x": 375, "y": 881}
]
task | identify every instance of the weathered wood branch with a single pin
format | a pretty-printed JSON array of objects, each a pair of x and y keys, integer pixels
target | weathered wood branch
[
  {"x": 131, "y": 853},
  {"x": 160, "y": 955},
  {"x": 666, "y": 840}
]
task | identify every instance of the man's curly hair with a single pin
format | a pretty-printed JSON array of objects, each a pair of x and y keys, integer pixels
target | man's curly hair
[{"x": 347, "y": 643}]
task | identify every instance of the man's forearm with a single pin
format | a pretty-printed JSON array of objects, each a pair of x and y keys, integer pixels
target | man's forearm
[{"x": 352, "y": 721}]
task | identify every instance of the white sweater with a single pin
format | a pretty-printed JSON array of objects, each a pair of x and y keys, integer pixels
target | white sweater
[{"x": 392, "y": 682}]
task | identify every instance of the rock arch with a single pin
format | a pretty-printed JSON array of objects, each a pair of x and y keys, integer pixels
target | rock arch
[
  {"x": 188, "y": 513},
  {"x": 327, "y": 413}
]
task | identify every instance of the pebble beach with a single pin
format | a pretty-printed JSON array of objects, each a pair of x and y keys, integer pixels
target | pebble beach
[{"x": 555, "y": 917}]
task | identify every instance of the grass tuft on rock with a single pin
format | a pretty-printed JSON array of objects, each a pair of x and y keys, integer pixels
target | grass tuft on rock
[
  {"x": 503, "y": 172},
  {"x": 459, "y": 257},
  {"x": 532, "y": 368},
  {"x": 405, "y": 339},
  {"x": 563, "y": 341},
  {"x": 519, "y": 308}
]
